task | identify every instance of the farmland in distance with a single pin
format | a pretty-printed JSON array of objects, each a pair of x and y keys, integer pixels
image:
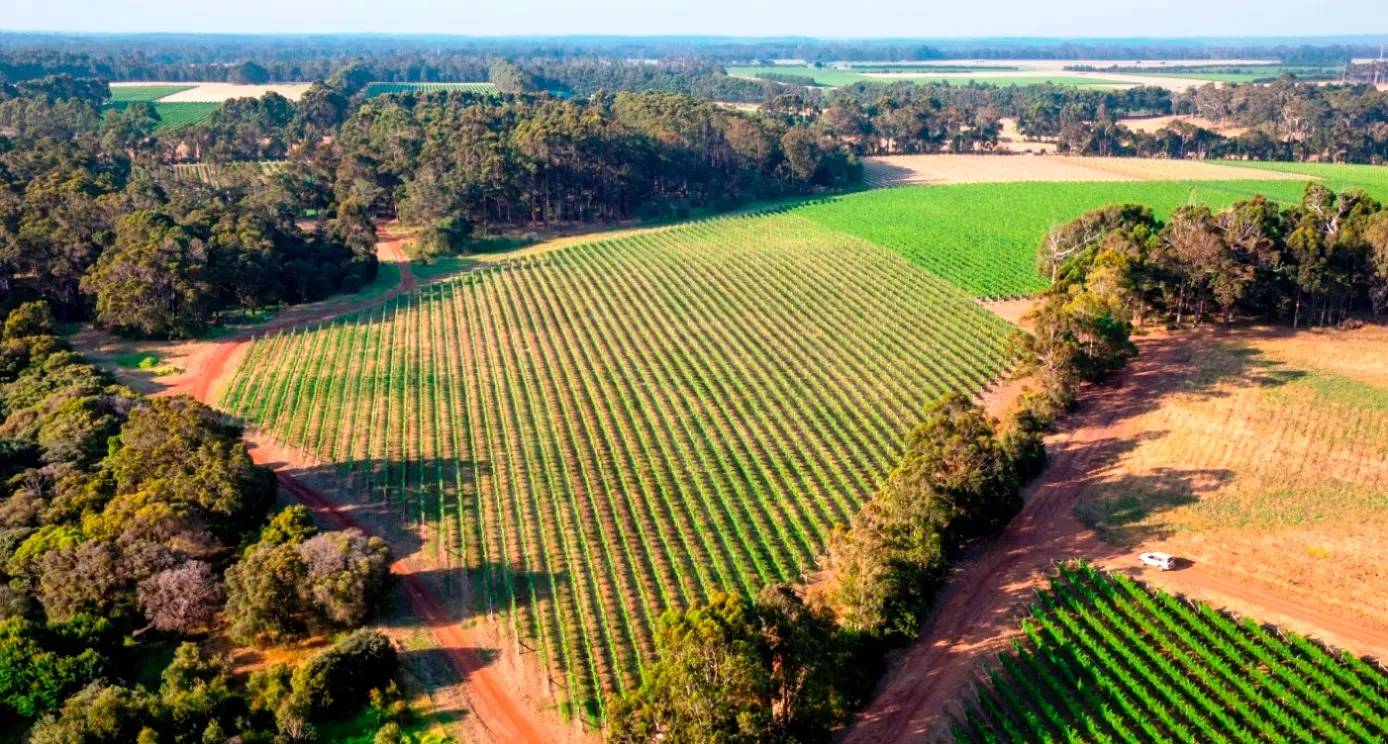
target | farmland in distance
[{"x": 380, "y": 89}]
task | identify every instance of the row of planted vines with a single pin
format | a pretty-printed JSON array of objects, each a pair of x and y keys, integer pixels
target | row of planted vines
[
  {"x": 600, "y": 433},
  {"x": 1106, "y": 659}
]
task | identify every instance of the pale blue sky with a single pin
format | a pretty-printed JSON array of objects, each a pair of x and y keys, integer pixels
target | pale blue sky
[{"x": 826, "y": 18}]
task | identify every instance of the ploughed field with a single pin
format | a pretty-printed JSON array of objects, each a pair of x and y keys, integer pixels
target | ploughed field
[
  {"x": 1104, "y": 658},
  {"x": 619, "y": 427}
]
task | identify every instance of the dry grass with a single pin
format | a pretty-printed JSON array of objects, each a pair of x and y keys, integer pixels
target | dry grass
[
  {"x": 1271, "y": 461},
  {"x": 900, "y": 170},
  {"x": 1150, "y": 124}
]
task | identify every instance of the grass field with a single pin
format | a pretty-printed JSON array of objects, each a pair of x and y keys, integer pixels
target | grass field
[
  {"x": 830, "y": 77},
  {"x": 614, "y": 428},
  {"x": 983, "y": 237},
  {"x": 380, "y": 89},
  {"x": 1371, "y": 178},
  {"x": 1270, "y": 459},
  {"x": 133, "y": 93},
  {"x": 1106, "y": 659}
]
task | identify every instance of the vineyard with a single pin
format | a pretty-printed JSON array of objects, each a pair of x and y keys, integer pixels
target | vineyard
[
  {"x": 381, "y": 89},
  {"x": 223, "y": 175},
  {"x": 178, "y": 115},
  {"x": 134, "y": 93},
  {"x": 1106, "y": 659},
  {"x": 983, "y": 236},
  {"x": 601, "y": 432}
]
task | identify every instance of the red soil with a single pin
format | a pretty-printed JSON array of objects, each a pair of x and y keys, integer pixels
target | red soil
[
  {"x": 978, "y": 610},
  {"x": 492, "y": 706}
]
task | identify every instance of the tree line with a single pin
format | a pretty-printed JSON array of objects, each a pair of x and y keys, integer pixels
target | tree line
[
  {"x": 89, "y": 225},
  {"x": 289, "y": 58},
  {"x": 130, "y": 523},
  {"x": 1319, "y": 262}
]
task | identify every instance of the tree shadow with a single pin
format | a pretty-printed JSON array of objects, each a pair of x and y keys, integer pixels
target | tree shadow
[
  {"x": 1192, "y": 367},
  {"x": 1118, "y": 509},
  {"x": 882, "y": 173}
]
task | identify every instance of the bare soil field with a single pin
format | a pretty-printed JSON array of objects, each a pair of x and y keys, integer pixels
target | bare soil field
[
  {"x": 903, "y": 170},
  {"x": 219, "y": 92},
  {"x": 1196, "y": 423}
]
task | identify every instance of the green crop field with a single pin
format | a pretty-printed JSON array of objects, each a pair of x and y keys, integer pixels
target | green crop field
[
  {"x": 1339, "y": 176},
  {"x": 983, "y": 237},
  {"x": 1106, "y": 659},
  {"x": 614, "y": 428},
  {"x": 178, "y": 115},
  {"x": 173, "y": 116},
  {"x": 134, "y": 93},
  {"x": 227, "y": 174},
  {"x": 380, "y": 89}
]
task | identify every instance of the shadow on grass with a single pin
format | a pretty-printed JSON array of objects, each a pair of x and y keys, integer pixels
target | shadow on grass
[{"x": 1195, "y": 366}]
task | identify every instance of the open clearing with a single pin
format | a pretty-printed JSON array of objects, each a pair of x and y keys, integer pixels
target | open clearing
[
  {"x": 907, "y": 170},
  {"x": 619, "y": 427},
  {"x": 1271, "y": 461},
  {"x": 215, "y": 92},
  {"x": 977, "y": 613},
  {"x": 1105, "y": 658}
]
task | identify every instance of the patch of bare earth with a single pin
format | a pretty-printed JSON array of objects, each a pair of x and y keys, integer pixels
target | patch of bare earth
[
  {"x": 905, "y": 170},
  {"x": 1192, "y": 418}
]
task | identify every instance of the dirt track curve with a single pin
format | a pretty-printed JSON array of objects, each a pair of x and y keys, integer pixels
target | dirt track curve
[
  {"x": 978, "y": 609},
  {"x": 491, "y": 705}
]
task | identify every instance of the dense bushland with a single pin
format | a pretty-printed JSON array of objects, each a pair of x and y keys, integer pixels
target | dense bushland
[{"x": 119, "y": 517}]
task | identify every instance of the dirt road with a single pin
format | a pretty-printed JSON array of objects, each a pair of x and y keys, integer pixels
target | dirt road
[
  {"x": 977, "y": 612},
  {"x": 491, "y": 705}
]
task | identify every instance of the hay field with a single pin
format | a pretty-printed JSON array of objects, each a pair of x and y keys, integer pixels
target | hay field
[
  {"x": 1270, "y": 461},
  {"x": 903, "y": 170}
]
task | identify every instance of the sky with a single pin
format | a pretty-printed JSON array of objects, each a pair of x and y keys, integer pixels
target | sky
[{"x": 822, "y": 18}]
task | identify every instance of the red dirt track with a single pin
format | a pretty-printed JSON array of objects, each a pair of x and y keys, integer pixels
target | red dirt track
[
  {"x": 491, "y": 705},
  {"x": 978, "y": 610}
]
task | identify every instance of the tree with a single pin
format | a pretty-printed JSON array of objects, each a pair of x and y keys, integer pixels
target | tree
[
  {"x": 183, "y": 453},
  {"x": 954, "y": 455},
  {"x": 34, "y": 678},
  {"x": 710, "y": 684},
  {"x": 28, "y": 320},
  {"x": 1376, "y": 235},
  {"x": 98, "y": 714},
  {"x": 806, "y": 664},
  {"x": 344, "y": 573},
  {"x": 248, "y": 73},
  {"x": 152, "y": 281},
  {"x": 263, "y": 595},
  {"x": 339, "y": 679},
  {"x": 181, "y": 600}
]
